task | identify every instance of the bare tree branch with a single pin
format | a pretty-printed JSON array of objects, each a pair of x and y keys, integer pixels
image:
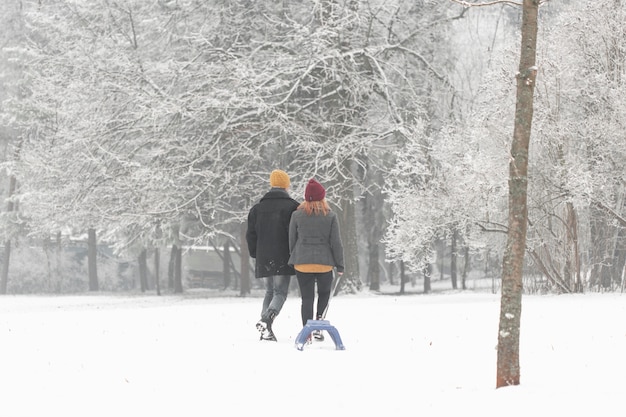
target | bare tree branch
[
  {"x": 487, "y": 3},
  {"x": 468, "y": 4}
]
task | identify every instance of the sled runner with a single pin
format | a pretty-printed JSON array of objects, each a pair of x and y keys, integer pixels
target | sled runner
[{"x": 321, "y": 325}]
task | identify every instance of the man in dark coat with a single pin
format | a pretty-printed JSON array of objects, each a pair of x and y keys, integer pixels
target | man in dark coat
[{"x": 268, "y": 244}]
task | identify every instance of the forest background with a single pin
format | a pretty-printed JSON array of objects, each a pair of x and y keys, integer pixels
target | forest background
[{"x": 132, "y": 129}]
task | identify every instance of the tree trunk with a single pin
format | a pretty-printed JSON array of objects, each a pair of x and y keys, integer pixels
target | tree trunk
[
  {"x": 5, "y": 267},
  {"x": 176, "y": 262},
  {"x": 157, "y": 271},
  {"x": 619, "y": 258},
  {"x": 573, "y": 260},
  {"x": 226, "y": 264},
  {"x": 466, "y": 268},
  {"x": 508, "y": 370},
  {"x": 453, "y": 258},
  {"x": 58, "y": 250},
  {"x": 443, "y": 254},
  {"x": 350, "y": 280},
  {"x": 45, "y": 244},
  {"x": 373, "y": 271},
  {"x": 171, "y": 266},
  {"x": 178, "y": 269},
  {"x": 374, "y": 221},
  {"x": 244, "y": 258},
  {"x": 4, "y": 280},
  {"x": 427, "y": 272},
  {"x": 143, "y": 270},
  {"x": 92, "y": 259}
]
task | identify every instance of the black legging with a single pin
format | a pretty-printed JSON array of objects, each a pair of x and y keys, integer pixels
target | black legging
[{"x": 306, "y": 282}]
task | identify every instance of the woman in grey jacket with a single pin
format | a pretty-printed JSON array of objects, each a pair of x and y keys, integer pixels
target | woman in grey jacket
[{"x": 315, "y": 247}]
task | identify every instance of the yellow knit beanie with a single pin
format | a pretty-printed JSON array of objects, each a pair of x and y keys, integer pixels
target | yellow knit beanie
[{"x": 279, "y": 178}]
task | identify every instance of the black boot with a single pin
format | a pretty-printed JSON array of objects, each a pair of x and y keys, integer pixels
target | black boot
[
  {"x": 318, "y": 334},
  {"x": 264, "y": 326}
]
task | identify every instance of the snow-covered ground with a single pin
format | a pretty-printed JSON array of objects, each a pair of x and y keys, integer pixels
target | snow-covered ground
[{"x": 416, "y": 355}]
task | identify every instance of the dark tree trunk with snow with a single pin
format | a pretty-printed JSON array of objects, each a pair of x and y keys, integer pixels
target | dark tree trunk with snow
[
  {"x": 92, "y": 259},
  {"x": 508, "y": 369}
]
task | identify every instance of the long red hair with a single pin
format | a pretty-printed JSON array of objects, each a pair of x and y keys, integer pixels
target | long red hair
[{"x": 315, "y": 207}]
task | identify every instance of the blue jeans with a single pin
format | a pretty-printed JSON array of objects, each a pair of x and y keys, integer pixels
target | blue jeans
[{"x": 276, "y": 289}]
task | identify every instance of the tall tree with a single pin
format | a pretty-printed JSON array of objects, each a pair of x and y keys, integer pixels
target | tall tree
[
  {"x": 508, "y": 369},
  {"x": 92, "y": 259},
  {"x": 12, "y": 89}
]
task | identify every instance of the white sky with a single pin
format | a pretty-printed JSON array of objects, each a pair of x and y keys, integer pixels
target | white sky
[{"x": 419, "y": 355}]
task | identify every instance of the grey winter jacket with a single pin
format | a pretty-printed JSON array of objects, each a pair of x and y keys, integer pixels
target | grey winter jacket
[{"x": 315, "y": 239}]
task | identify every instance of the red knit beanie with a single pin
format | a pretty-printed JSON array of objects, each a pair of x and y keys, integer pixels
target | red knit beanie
[{"x": 314, "y": 191}]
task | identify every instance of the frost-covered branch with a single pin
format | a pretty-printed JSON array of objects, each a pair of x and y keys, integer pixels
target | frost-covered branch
[{"x": 486, "y": 3}]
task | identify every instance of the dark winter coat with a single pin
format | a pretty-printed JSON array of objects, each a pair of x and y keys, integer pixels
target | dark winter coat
[
  {"x": 315, "y": 239},
  {"x": 268, "y": 233}
]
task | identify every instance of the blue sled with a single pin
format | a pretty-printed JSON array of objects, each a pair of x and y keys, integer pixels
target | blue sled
[{"x": 318, "y": 325}]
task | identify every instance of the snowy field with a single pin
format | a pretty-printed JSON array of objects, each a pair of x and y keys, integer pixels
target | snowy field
[{"x": 417, "y": 355}]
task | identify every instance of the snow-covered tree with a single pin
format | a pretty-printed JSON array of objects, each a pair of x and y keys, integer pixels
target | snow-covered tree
[
  {"x": 159, "y": 120},
  {"x": 450, "y": 176},
  {"x": 577, "y": 230},
  {"x": 11, "y": 137}
]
